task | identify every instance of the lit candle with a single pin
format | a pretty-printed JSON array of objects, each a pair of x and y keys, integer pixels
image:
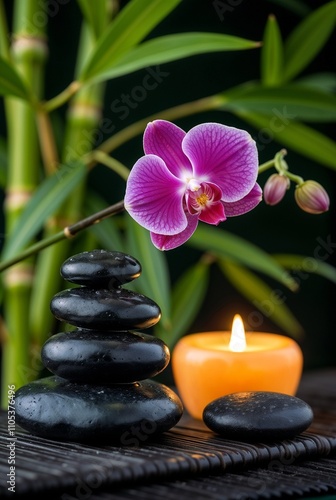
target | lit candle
[{"x": 209, "y": 365}]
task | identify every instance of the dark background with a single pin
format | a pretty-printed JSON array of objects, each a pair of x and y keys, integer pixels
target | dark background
[{"x": 281, "y": 229}]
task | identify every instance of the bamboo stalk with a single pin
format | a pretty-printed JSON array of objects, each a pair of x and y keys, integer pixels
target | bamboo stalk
[
  {"x": 28, "y": 55},
  {"x": 83, "y": 118}
]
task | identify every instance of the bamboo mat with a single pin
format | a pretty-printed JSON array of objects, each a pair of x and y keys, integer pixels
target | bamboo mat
[{"x": 189, "y": 461}]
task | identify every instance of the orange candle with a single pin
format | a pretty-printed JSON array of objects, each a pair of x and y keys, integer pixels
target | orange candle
[{"x": 209, "y": 365}]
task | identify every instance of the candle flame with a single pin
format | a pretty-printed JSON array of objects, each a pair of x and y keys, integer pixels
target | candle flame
[{"x": 238, "y": 339}]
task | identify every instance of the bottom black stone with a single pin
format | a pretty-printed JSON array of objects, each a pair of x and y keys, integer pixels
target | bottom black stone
[{"x": 125, "y": 414}]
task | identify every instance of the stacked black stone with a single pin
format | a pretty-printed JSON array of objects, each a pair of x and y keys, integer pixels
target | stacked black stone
[{"x": 100, "y": 388}]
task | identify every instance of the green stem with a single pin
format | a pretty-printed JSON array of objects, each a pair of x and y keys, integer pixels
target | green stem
[
  {"x": 266, "y": 166},
  {"x": 4, "y": 46},
  {"x": 100, "y": 157},
  {"x": 62, "y": 97},
  {"x": 295, "y": 178},
  {"x": 28, "y": 56},
  {"x": 83, "y": 116}
]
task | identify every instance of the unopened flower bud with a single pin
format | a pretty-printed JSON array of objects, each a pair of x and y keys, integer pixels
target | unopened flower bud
[
  {"x": 275, "y": 188},
  {"x": 312, "y": 197}
]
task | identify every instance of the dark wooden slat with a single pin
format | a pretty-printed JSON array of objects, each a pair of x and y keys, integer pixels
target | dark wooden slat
[{"x": 45, "y": 468}]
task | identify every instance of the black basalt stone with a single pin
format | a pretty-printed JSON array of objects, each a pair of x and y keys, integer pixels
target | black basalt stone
[
  {"x": 258, "y": 416},
  {"x": 115, "y": 309},
  {"x": 123, "y": 414},
  {"x": 101, "y": 269},
  {"x": 104, "y": 358}
]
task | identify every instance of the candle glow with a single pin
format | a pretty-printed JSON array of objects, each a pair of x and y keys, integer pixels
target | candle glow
[{"x": 209, "y": 365}]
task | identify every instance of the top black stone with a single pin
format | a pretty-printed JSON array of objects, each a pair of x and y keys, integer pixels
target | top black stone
[{"x": 101, "y": 269}]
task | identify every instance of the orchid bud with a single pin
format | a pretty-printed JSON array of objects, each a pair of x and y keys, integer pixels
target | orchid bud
[
  {"x": 312, "y": 197},
  {"x": 275, "y": 188}
]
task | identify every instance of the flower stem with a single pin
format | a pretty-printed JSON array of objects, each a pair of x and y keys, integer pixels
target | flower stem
[
  {"x": 68, "y": 232},
  {"x": 266, "y": 166},
  {"x": 295, "y": 178}
]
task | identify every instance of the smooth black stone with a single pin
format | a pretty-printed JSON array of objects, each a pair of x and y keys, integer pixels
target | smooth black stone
[
  {"x": 115, "y": 309},
  {"x": 104, "y": 358},
  {"x": 126, "y": 414},
  {"x": 258, "y": 416},
  {"x": 101, "y": 269}
]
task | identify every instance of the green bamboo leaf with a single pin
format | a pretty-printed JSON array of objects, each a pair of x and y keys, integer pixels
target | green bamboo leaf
[
  {"x": 272, "y": 54},
  {"x": 227, "y": 245},
  {"x": 11, "y": 82},
  {"x": 296, "y": 102},
  {"x": 131, "y": 25},
  {"x": 303, "y": 264},
  {"x": 294, "y": 135},
  {"x": 107, "y": 231},
  {"x": 154, "y": 280},
  {"x": 267, "y": 300},
  {"x": 171, "y": 48},
  {"x": 96, "y": 14},
  {"x": 48, "y": 197},
  {"x": 308, "y": 38},
  {"x": 187, "y": 297},
  {"x": 321, "y": 81}
]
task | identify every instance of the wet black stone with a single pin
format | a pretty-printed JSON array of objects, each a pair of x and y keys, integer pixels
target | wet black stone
[
  {"x": 101, "y": 269},
  {"x": 104, "y": 358},
  {"x": 258, "y": 416},
  {"x": 127, "y": 414},
  {"x": 115, "y": 309}
]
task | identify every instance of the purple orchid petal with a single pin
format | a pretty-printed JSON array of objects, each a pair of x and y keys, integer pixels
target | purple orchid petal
[
  {"x": 154, "y": 197},
  {"x": 214, "y": 214},
  {"x": 164, "y": 139},
  {"x": 226, "y": 156},
  {"x": 246, "y": 204},
  {"x": 163, "y": 242}
]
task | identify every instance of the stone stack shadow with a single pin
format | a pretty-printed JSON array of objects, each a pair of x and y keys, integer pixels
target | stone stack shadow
[{"x": 100, "y": 390}]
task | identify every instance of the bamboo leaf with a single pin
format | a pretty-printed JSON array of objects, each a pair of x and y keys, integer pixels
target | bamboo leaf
[
  {"x": 131, "y": 25},
  {"x": 308, "y": 38},
  {"x": 187, "y": 297},
  {"x": 171, "y": 48},
  {"x": 267, "y": 300},
  {"x": 96, "y": 14},
  {"x": 11, "y": 82},
  {"x": 107, "y": 231},
  {"x": 272, "y": 54},
  {"x": 295, "y": 135},
  {"x": 154, "y": 280},
  {"x": 227, "y": 245},
  {"x": 46, "y": 200},
  {"x": 321, "y": 81},
  {"x": 295, "y": 102},
  {"x": 298, "y": 263}
]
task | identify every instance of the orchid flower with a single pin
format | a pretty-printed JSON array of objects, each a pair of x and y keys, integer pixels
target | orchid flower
[{"x": 206, "y": 174}]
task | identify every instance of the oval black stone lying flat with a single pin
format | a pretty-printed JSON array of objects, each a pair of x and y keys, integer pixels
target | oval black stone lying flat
[
  {"x": 101, "y": 269},
  {"x": 57, "y": 409},
  {"x": 258, "y": 416},
  {"x": 104, "y": 358},
  {"x": 115, "y": 309}
]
